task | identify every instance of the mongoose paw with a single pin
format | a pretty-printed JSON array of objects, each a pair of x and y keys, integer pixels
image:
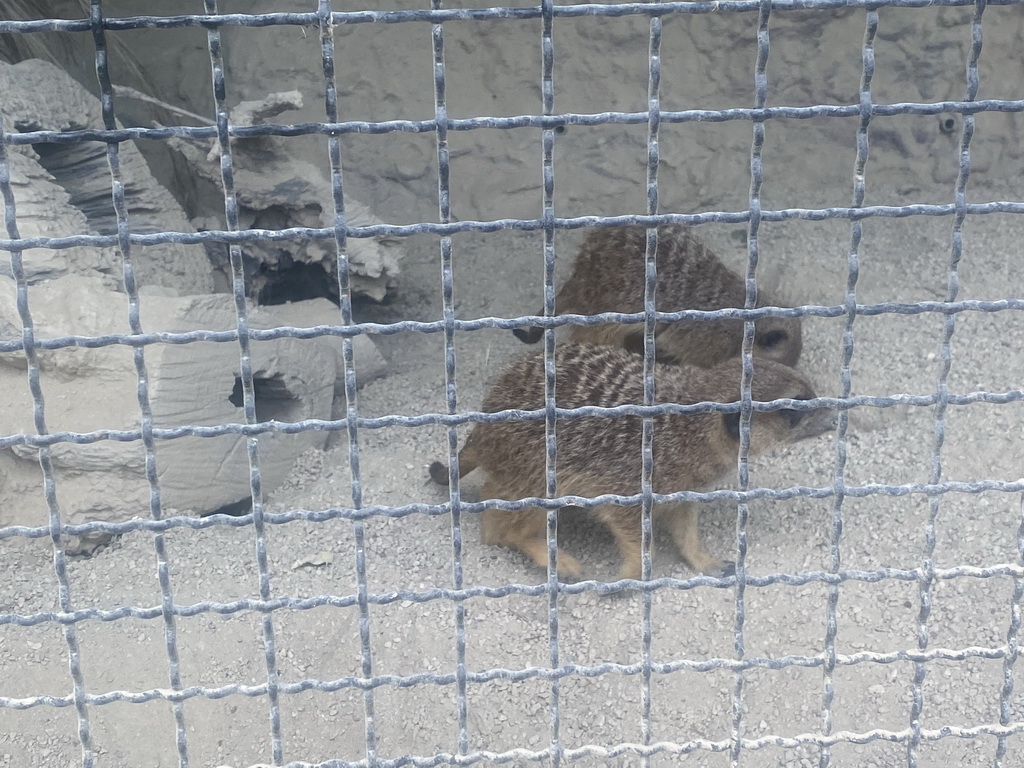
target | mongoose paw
[
  {"x": 723, "y": 571},
  {"x": 618, "y": 595},
  {"x": 626, "y": 572}
]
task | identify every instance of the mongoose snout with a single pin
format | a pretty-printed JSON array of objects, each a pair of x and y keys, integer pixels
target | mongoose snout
[
  {"x": 608, "y": 276},
  {"x": 601, "y": 455}
]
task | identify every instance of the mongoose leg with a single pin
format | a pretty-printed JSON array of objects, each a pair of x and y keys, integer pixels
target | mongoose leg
[
  {"x": 525, "y": 530},
  {"x": 624, "y": 523},
  {"x": 682, "y": 520}
]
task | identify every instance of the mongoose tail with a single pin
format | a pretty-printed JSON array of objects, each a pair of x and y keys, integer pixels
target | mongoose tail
[{"x": 467, "y": 463}]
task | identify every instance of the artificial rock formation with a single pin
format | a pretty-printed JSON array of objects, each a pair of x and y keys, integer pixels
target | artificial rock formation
[
  {"x": 189, "y": 384},
  {"x": 276, "y": 188},
  {"x": 65, "y": 189}
]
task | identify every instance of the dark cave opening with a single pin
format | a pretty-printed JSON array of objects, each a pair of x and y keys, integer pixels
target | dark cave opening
[
  {"x": 273, "y": 400},
  {"x": 297, "y": 281}
]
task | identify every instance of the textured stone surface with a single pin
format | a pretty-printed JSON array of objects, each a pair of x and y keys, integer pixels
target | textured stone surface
[
  {"x": 44, "y": 210},
  {"x": 74, "y": 186},
  {"x": 277, "y": 189},
  {"x": 601, "y": 64},
  {"x": 384, "y": 72}
]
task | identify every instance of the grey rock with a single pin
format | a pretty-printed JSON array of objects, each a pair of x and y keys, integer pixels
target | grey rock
[{"x": 87, "y": 389}]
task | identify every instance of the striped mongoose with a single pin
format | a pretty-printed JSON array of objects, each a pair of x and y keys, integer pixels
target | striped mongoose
[
  {"x": 608, "y": 276},
  {"x": 599, "y": 455}
]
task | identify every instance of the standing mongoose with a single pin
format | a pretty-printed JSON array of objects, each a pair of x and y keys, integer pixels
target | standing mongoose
[
  {"x": 600, "y": 455},
  {"x": 608, "y": 276}
]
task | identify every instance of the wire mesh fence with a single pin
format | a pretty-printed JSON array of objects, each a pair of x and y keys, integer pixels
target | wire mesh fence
[{"x": 743, "y": 741}]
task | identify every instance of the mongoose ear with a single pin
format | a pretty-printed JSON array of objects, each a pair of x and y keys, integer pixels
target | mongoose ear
[
  {"x": 792, "y": 416},
  {"x": 634, "y": 343},
  {"x": 530, "y": 335},
  {"x": 732, "y": 424}
]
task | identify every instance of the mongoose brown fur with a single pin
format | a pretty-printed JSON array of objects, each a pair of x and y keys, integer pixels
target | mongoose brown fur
[
  {"x": 608, "y": 276},
  {"x": 599, "y": 455}
]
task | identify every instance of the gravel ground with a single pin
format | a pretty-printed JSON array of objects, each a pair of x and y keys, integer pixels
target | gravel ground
[{"x": 905, "y": 260}]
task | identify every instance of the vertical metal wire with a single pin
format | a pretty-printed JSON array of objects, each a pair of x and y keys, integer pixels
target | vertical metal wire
[
  {"x": 326, "y": 25},
  {"x": 152, "y": 476},
  {"x": 547, "y": 55},
  {"x": 45, "y": 459},
  {"x": 245, "y": 360},
  {"x": 846, "y": 381},
  {"x": 451, "y": 391},
  {"x": 647, "y": 437},
  {"x": 743, "y": 469},
  {"x": 1013, "y": 631},
  {"x": 946, "y": 362},
  {"x": 1012, "y": 649}
]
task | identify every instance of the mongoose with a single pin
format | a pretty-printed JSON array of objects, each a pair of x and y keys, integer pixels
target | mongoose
[
  {"x": 608, "y": 276},
  {"x": 599, "y": 455}
]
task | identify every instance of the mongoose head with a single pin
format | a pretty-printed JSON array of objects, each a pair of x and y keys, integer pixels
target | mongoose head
[
  {"x": 708, "y": 344},
  {"x": 609, "y": 276},
  {"x": 774, "y": 381}
]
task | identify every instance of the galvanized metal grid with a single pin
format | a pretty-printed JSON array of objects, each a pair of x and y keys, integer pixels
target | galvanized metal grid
[{"x": 325, "y": 18}]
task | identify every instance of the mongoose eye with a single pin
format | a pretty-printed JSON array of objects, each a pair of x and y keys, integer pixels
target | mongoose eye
[
  {"x": 791, "y": 416},
  {"x": 772, "y": 339}
]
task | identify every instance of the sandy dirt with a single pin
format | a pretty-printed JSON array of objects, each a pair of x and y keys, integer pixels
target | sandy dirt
[
  {"x": 500, "y": 274},
  {"x": 903, "y": 259}
]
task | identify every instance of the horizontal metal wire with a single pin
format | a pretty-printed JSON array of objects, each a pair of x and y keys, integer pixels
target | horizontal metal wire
[
  {"x": 561, "y": 120},
  {"x": 522, "y": 225},
  {"x": 508, "y": 323},
  {"x": 419, "y": 596},
  {"x": 405, "y": 510},
  {"x": 438, "y": 16},
  {"x": 476, "y": 417},
  {"x": 511, "y": 675}
]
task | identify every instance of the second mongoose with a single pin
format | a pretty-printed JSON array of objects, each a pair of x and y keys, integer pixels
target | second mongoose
[
  {"x": 608, "y": 276},
  {"x": 600, "y": 455}
]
